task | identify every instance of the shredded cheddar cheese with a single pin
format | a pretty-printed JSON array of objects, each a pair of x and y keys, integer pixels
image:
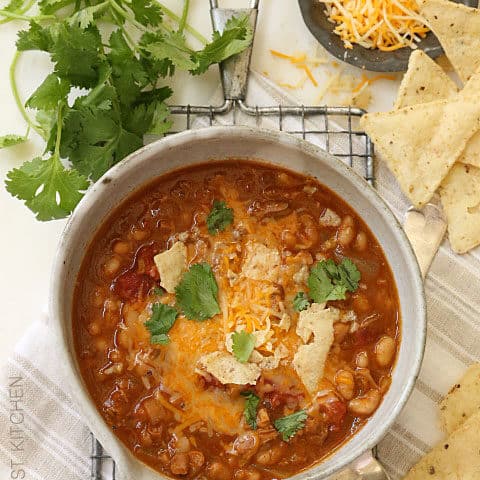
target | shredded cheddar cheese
[
  {"x": 302, "y": 62},
  {"x": 368, "y": 81},
  {"x": 384, "y": 24}
]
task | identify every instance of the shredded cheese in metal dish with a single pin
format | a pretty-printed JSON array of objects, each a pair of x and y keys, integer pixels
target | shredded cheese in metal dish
[{"x": 384, "y": 24}]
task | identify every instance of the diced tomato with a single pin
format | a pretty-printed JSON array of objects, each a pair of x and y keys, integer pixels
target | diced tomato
[
  {"x": 131, "y": 286},
  {"x": 144, "y": 261},
  {"x": 364, "y": 336},
  {"x": 335, "y": 411}
]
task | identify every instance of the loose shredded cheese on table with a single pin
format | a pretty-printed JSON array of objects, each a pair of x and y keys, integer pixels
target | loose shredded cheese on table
[{"x": 384, "y": 24}]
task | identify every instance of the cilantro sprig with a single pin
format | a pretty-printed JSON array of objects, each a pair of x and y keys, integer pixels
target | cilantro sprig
[
  {"x": 162, "y": 320},
  {"x": 288, "y": 426},
  {"x": 300, "y": 302},
  {"x": 331, "y": 281},
  {"x": 117, "y": 52},
  {"x": 219, "y": 218},
  {"x": 243, "y": 344},
  {"x": 251, "y": 406},
  {"x": 197, "y": 293}
]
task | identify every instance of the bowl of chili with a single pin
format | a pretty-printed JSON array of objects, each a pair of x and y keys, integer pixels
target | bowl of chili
[{"x": 155, "y": 376}]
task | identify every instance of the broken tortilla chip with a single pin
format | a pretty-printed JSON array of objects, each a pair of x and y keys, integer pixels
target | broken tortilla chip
[
  {"x": 457, "y": 457},
  {"x": 420, "y": 143},
  {"x": 462, "y": 401},
  {"x": 423, "y": 82},
  {"x": 460, "y": 196},
  {"x": 227, "y": 369},
  {"x": 457, "y": 28},
  {"x": 309, "y": 360},
  {"x": 171, "y": 265}
]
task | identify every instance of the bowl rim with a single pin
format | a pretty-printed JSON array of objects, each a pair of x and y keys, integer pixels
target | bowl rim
[{"x": 69, "y": 234}]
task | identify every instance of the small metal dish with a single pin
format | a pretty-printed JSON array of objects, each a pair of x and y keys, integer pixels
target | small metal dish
[{"x": 368, "y": 59}]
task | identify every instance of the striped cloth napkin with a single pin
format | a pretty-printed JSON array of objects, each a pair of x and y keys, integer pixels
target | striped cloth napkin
[{"x": 43, "y": 437}]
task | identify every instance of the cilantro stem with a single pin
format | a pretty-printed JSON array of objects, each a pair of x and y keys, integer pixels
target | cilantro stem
[
  {"x": 127, "y": 16},
  {"x": 21, "y": 11},
  {"x": 59, "y": 131},
  {"x": 16, "y": 95},
  {"x": 18, "y": 16},
  {"x": 195, "y": 33},
  {"x": 183, "y": 20},
  {"x": 130, "y": 40}
]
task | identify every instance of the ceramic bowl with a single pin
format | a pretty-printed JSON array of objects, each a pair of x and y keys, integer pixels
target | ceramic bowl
[{"x": 196, "y": 146}]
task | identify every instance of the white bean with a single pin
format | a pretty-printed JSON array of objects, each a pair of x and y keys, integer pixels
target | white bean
[
  {"x": 346, "y": 232},
  {"x": 361, "y": 242},
  {"x": 345, "y": 384},
  {"x": 112, "y": 265},
  {"x": 365, "y": 404},
  {"x": 121, "y": 247},
  {"x": 384, "y": 350},
  {"x": 362, "y": 359}
]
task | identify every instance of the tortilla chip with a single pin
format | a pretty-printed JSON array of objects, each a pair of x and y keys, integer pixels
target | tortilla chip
[
  {"x": 462, "y": 401},
  {"x": 309, "y": 360},
  {"x": 227, "y": 369},
  {"x": 460, "y": 196},
  {"x": 457, "y": 28},
  {"x": 423, "y": 82},
  {"x": 170, "y": 265},
  {"x": 309, "y": 320},
  {"x": 455, "y": 458},
  {"x": 471, "y": 154},
  {"x": 420, "y": 143}
]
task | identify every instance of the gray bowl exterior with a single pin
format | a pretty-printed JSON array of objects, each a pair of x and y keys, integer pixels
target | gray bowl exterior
[
  {"x": 368, "y": 59},
  {"x": 197, "y": 146}
]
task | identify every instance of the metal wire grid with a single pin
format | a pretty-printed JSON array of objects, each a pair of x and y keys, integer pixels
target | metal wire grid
[
  {"x": 334, "y": 127},
  {"x": 312, "y": 123}
]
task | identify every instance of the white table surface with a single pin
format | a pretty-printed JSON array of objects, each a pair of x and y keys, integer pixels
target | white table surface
[{"x": 27, "y": 247}]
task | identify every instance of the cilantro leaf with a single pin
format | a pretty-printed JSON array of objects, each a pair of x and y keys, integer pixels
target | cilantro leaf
[
  {"x": 243, "y": 345},
  {"x": 197, "y": 293},
  {"x": 48, "y": 7},
  {"x": 128, "y": 74},
  {"x": 14, "y": 5},
  {"x": 77, "y": 55},
  {"x": 11, "y": 140},
  {"x": 158, "y": 291},
  {"x": 329, "y": 281},
  {"x": 94, "y": 137},
  {"x": 47, "y": 188},
  {"x": 147, "y": 12},
  {"x": 86, "y": 16},
  {"x": 349, "y": 274},
  {"x": 162, "y": 320},
  {"x": 300, "y": 302},
  {"x": 160, "y": 123},
  {"x": 288, "y": 426},
  {"x": 172, "y": 46},
  {"x": 251, "y": 406},
  {"x": 219, "y": 218},
  {"x": 45, "y": 123},
  {"x": 49, "y": 93},
  {"x": 35, "y": 38},
  {"x": 236, "y": 36}
]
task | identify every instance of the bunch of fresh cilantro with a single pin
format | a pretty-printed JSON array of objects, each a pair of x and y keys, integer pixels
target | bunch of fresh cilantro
[{"x": 105, "y": 91}]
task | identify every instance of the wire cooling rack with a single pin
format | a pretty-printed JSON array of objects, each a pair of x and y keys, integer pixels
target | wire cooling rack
[{"x": 335, "y": 128}]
